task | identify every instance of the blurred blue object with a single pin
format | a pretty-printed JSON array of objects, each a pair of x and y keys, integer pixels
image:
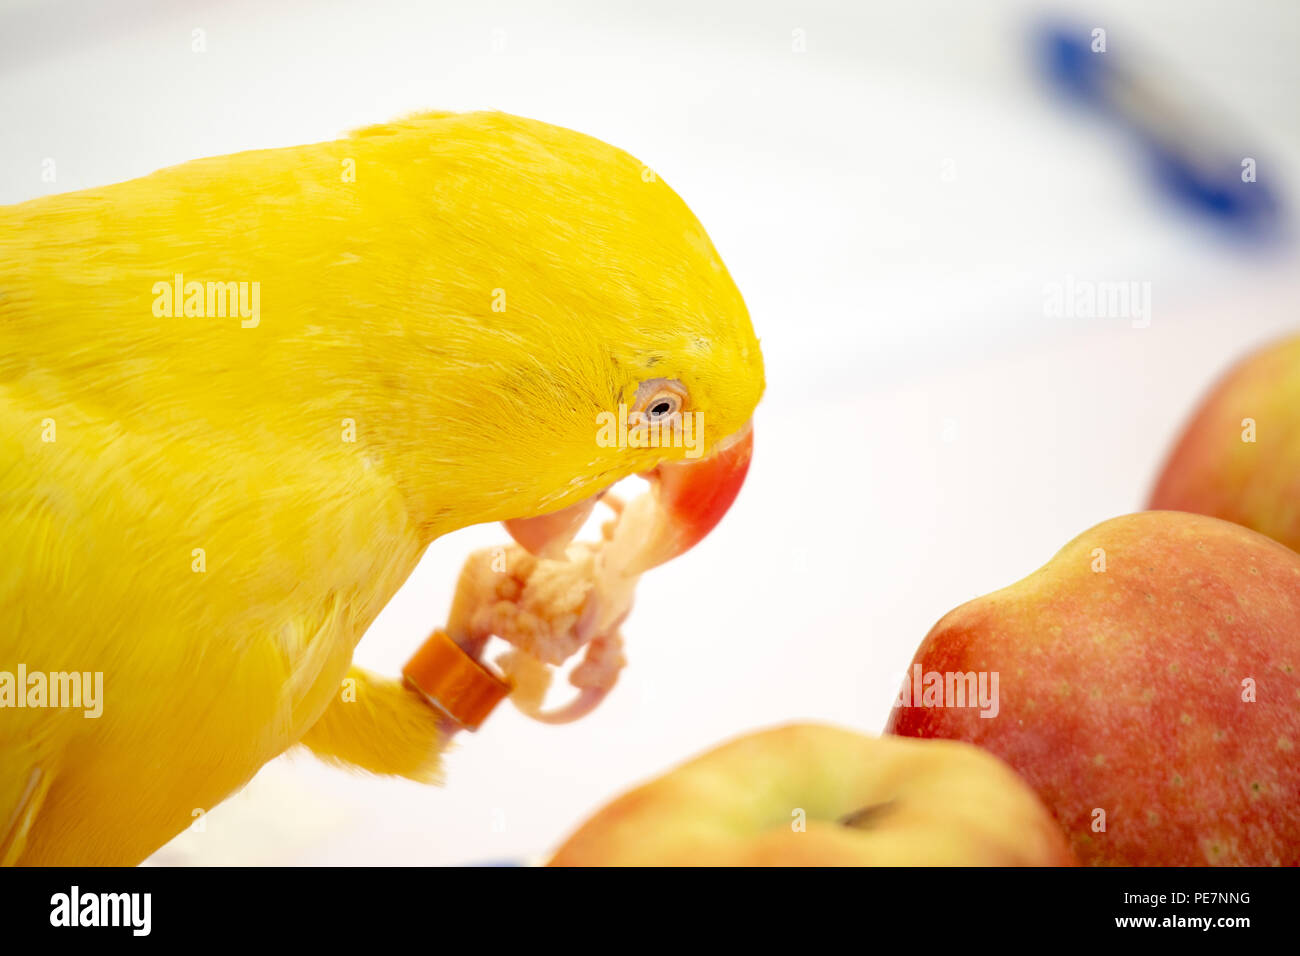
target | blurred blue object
[{"x": 1192, "y": 161}]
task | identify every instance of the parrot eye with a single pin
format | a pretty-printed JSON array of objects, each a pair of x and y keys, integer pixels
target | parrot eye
[
  {"x": 659, "y": 399},
  {"x": 663, "y": 407}
]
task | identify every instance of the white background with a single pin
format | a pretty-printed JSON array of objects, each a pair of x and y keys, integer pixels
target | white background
[{"x": 928, "y": 434}]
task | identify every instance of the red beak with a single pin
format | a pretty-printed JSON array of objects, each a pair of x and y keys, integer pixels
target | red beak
[
  {"x": 691, "y": 496},
  {"x": 689, "y": 499}
]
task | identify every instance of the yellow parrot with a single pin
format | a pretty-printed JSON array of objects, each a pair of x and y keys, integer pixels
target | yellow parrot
[{"x": 239, "y": 397}]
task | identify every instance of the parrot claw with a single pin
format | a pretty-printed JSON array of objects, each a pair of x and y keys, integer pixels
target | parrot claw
[
  {"x": 549, "y": 610},
  {"x": 582, "y": 705},
  {"x": 595, "y": 677}
]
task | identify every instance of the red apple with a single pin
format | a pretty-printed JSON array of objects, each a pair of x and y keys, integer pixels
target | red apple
[
  {"x": 807, "y": 795},
  {"x": 1239, "y": 456},
  {"x": 1147, "y": 690}
]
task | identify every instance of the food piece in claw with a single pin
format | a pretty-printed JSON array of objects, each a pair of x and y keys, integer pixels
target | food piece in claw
[{"x": 536, "y": 605}]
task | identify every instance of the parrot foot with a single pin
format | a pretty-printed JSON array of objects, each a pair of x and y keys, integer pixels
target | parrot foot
[{"x": 548, "y": 611}]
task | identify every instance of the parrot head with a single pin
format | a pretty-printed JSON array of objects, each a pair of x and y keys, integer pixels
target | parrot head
[
  {"x": 592, "y": 332},
  {"x": 682, "y": 369}
]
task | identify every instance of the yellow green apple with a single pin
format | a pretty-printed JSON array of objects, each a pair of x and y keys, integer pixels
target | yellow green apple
[
  {"x": 811, "y": 795},
  {"x": 1239, "y": 456},
  {"x": 1148, "y": 690}
]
